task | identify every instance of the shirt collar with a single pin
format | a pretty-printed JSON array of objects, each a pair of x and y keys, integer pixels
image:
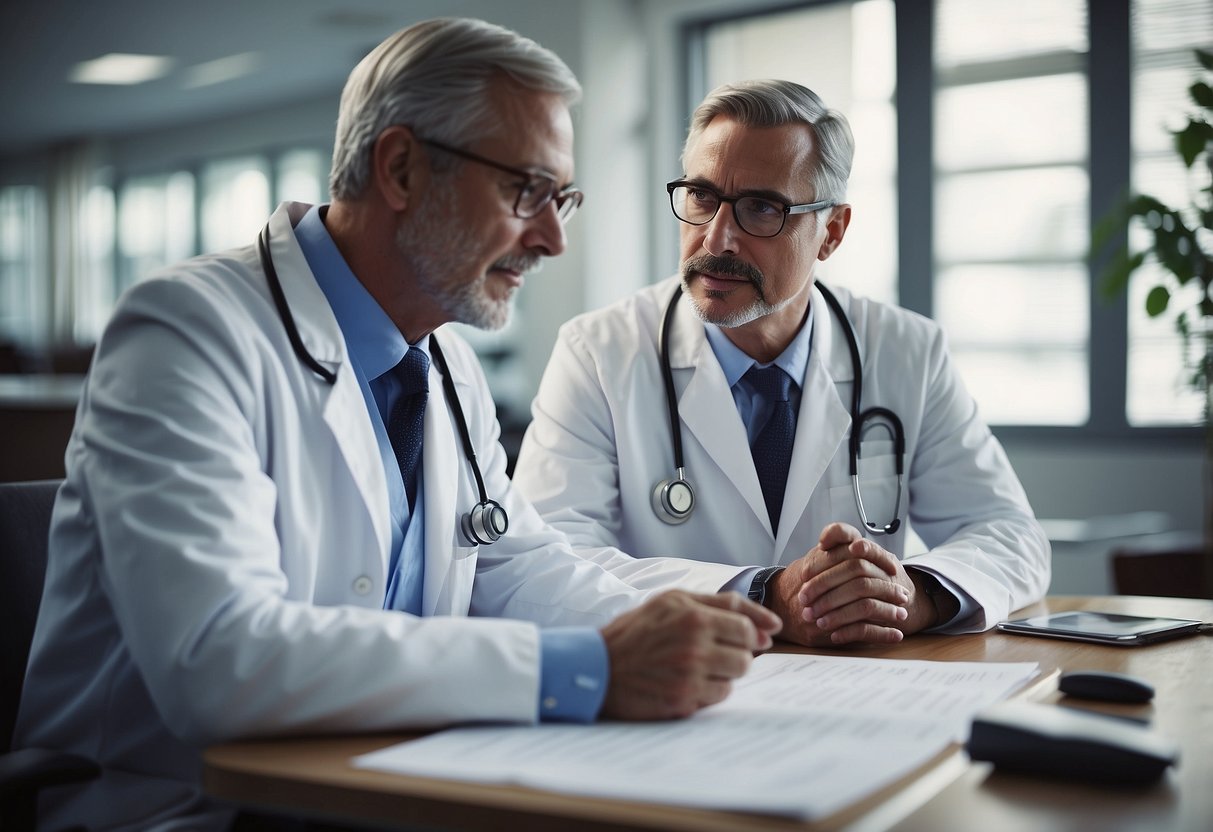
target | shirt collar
[
  {"x": 794, "y": 360},
  {"x": 375, "y": 343}
]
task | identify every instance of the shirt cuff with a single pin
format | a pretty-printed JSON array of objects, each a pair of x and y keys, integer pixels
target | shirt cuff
[
  {"x": 967, "y": 605},
  {"x": 741, "y": 582},
  {"x": 573, "y": 674}
]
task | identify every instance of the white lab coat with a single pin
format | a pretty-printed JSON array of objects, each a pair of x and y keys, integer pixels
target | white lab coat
[
  {"x": 600, "y": 440},
  {"x": 219, "y": 550}
]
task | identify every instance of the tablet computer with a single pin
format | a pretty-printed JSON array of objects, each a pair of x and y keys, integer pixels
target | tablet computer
[{"x": 1101, "y": 627}]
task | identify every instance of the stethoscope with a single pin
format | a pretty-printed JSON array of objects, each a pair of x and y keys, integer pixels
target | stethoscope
[
  {"x": 487, "y": 522},
  {"x": 674, "y": 499}
]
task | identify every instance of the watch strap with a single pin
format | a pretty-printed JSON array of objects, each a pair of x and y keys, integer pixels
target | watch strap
[{"x": 758, "y": 586}]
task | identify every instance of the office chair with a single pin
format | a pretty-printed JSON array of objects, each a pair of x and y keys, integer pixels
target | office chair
[
  {"x": 25, "y": 516},
  {"x": 1177, "y": 569}
]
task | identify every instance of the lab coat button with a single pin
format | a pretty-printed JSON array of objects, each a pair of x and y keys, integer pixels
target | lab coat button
[{"x": 363, "y": 585}]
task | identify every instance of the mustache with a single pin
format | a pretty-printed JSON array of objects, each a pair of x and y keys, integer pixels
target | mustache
[
  {"x": 521, "y": 263},
  {"x": 731, "y": 266}
]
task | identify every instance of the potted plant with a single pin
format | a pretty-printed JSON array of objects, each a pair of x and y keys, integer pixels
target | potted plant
[{"x": 1181, "y": 242}]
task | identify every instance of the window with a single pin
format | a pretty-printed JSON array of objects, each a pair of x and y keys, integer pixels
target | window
[
  {"x": 155, "y": 224},
  {"x": 235, "y": 202},
  {"x": 1165, "y": 33},
  {"x": 1011, "y": 196},
  {"x": 845, "y": 53},
  {"x": 23, "y": 300},
  {"x": 302, "y": 176}
]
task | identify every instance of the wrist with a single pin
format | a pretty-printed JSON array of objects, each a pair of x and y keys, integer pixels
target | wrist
[{"x": 939, "y": 604}]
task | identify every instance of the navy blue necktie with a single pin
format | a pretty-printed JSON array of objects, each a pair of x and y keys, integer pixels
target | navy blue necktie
[
  {"x": 406, "y": 426},
  {"x": 772, "y": 447}
]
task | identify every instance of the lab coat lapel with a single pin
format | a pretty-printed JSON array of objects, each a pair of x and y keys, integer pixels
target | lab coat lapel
[
  {"x": 707, "y": 411},
  {"x": 824, "y": 418},
  {"x": 342, "y": 403},
  {"x": 441, "y": 466}
]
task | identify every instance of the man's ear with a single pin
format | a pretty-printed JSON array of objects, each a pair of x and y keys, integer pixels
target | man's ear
[
  {"x": 395, "y": 165},
  {"x": 836, "y": 229}
]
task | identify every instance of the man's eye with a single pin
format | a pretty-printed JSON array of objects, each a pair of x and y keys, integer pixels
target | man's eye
[
  {"x": 700, "y": 195},
  {"x": 761, "y": 207}
]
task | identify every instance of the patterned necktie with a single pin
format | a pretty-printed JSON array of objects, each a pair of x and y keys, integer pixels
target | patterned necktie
[
  {"x": 772, "y": 448},
  {"x": 406, "y": 426}
]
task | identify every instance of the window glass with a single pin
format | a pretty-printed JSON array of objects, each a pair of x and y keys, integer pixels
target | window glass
[
  {"x": 235, "y": 202},
  {"x": 302, "y": 177},
  {"x": 155, "y": 224},
  {"x": 982, "y": 31},
  {"x": 1011, "y": 205},
  {"x": 845, "y": 53},
  {"x": 1165, "y": 33},
  {"x": 1025, "y": 121},
  {"x": 98, "y": 234},
  {"x": 23, "y": 301}
]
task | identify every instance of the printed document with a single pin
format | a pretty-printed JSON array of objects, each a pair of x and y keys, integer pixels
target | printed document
[{"x": 803, "y": 736}]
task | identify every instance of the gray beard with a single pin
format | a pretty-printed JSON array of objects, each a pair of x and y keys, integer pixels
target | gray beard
[{"x": 437, "y": 248}]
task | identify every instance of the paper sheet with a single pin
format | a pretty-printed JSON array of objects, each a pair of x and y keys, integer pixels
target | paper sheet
[{"x": 803, "y": 736}]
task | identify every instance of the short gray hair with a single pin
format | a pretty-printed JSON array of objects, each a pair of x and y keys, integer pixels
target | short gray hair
[
  {"x": 434, "y": 77},
  {"x": 772, "y": 103}
]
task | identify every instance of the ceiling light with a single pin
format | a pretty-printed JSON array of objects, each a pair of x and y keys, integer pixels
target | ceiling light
[
  {"x": 221, "y": 69},
  {"x": 121, "y": 68}
]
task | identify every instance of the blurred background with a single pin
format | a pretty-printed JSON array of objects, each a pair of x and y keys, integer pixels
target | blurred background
[{"x": 991, "y": 135}]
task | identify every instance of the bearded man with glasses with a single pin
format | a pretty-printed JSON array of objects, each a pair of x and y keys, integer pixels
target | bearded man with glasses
[{"x": 707, "y": 432}]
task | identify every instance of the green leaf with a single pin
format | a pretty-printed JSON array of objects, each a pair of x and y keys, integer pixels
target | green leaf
[
  {"x": 1202, "y": 94},
  {"x": 1157, "y": 300},
  {"x": 1190, "y": 141},
  {"x": 1205, "y": 58}
]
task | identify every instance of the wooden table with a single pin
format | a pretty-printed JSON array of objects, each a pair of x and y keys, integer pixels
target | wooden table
[{"x": 313, "y": 777}]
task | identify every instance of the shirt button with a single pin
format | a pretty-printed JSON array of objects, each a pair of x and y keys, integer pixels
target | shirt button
[
  {"x": 363, "y": 585},
  {"x": 549, "y": 703}
]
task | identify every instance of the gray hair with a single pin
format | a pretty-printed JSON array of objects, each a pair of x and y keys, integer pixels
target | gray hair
[
  {"x": 772, "y": 103},
  {"x": 434, "y": 77}
]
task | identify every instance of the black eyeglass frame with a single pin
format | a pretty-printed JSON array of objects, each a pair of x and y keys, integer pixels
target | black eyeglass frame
[
  {"x": 800, "y": 208},
  {"x": 567, "y": 200}
]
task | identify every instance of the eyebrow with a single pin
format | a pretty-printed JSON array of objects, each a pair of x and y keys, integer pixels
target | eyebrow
[{"x": 760, "y": 193}]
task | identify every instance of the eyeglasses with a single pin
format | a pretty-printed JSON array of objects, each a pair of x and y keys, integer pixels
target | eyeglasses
[
  {"x": 697, "y": 205},
  {"x": 535, "y": 190}
]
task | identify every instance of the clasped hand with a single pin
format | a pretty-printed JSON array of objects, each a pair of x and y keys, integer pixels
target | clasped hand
[{"x": 849, "y": 589}]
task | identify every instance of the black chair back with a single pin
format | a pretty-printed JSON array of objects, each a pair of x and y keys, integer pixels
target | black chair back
[{"x": 25, "y": 519}]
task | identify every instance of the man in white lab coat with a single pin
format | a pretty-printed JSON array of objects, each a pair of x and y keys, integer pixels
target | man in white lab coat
[
  {"x": 268, "y": 524},
  {"x": 762, "y": 499}
]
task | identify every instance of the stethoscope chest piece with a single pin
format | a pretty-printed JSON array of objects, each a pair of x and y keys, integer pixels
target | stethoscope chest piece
[
  {"x": 486, "y": 523},
  {"x": 673, "y": 500}
]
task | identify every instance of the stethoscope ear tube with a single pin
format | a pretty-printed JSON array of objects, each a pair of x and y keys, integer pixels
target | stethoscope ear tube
[
  {"x": 673, "y": 500},
  {"x": 487, "y": 522}
]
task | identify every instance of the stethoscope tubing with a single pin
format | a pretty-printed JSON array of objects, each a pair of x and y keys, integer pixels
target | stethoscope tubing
[
  {"x": 487, "y": 522},
  {"x": 859, "y": 417}
]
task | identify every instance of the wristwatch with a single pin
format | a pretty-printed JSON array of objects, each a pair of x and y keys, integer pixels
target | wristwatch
[
  {"x": 758, "y": 586},
  {"x": 945, "y": 603}
]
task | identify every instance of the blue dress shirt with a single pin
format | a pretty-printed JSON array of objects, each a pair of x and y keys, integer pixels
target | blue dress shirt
[{"x": 574, "y": 667}]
